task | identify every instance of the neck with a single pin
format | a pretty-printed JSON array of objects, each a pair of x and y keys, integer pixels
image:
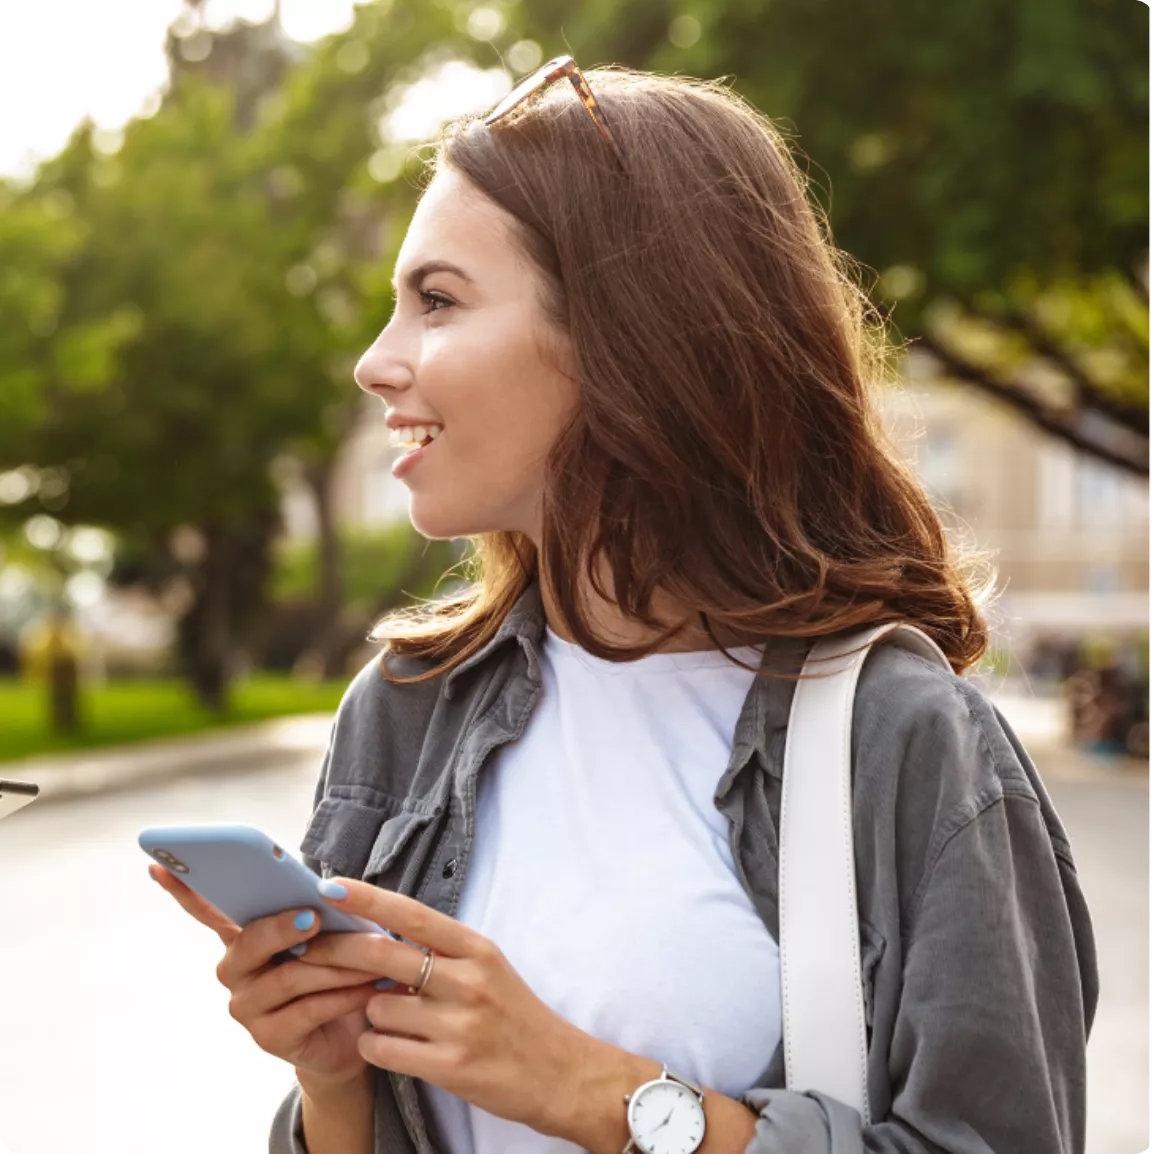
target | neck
[{"x": 610, "y": 624}]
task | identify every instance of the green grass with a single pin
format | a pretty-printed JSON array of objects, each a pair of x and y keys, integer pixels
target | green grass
[{"x": 127, "y": 711}]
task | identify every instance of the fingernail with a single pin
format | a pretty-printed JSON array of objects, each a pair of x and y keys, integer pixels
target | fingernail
[
  {"x": 384, "y": 984},
  {"x": 299, "y": 948},
  {"x": 332, "y": 889},
  {"x": 304, "y": 920}
]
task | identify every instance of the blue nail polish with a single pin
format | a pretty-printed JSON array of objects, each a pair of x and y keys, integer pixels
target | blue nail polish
[
  {"x": 384, "y": 984},
  {"x": 299, "y": 948},
  {"x": 304, "y": 920},
  {"x": 332, "y": 889}
]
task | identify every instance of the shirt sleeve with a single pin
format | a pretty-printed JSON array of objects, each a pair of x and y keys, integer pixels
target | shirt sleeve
[
  {"x": 287, "y": 1134},
  {"x": 988, "y": 1052}
]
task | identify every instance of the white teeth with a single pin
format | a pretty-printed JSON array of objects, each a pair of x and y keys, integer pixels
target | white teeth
[{"x": 409, "y": 435}]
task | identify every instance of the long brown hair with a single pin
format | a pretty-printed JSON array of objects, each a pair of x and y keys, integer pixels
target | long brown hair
[{"x": 726, "y": 448}]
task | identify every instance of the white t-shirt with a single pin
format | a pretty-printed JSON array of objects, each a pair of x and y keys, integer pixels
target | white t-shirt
[{"x": 603, "y": 872}]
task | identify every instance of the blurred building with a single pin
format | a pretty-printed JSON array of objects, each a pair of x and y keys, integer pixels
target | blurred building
[{"x": 1069, "y": 533}]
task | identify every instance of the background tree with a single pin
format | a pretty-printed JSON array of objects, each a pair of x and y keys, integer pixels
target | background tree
[
  {"x": 227, "y": 237},
  {"x": 185, "y": 432},
  {"x": 38, "y": 236},
  {"x": 343, "y": 192},
  {"x": 988, "y": 160},
  {"x": 182, "y": 310}
]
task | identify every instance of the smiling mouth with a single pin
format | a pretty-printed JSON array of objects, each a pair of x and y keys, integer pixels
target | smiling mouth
[
  {"x": 429, "y": 437},
  {"x": 411, "y": 447}
]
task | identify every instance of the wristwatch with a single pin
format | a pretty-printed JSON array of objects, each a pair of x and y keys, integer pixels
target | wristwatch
[{"x": 665, "y": 1116}]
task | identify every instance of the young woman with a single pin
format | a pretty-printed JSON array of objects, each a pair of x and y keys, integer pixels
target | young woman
[{"x": 641, "y": 375}]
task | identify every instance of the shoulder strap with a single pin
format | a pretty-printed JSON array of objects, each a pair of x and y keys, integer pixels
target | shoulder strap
[{"x": 823, "y": 1016}]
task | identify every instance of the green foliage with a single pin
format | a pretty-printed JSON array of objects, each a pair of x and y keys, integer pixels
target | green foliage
[
  {"x": 373, "y": 566},
  {"x": 970, "y": 142},
  {"x": 986, "y": 158},
  {"x": 190, "y": 416},
  {"x": 128, "y": 711},
  {"x": 178, "y": 313},
  {"x": 34, "y": 243}
]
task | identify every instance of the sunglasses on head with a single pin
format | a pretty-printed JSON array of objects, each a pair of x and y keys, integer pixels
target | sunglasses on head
[{"x": 550, "y": 71}]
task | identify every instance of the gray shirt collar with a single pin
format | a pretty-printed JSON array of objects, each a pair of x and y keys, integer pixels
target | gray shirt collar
[{"x": 765, "y": 711}]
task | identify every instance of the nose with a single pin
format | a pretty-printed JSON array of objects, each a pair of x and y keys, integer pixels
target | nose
[{"x": 382, "y": 367}]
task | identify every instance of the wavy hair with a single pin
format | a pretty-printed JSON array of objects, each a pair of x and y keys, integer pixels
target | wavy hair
[{"x": 726, "y": 447}]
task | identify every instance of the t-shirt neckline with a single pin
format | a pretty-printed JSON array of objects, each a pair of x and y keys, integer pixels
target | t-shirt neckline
[{"x": 656, "y": 662}]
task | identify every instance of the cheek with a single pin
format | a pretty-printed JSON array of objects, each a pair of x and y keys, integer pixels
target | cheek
[
  {"x": 479, "y": 485},
  {"x": 502, "y": 409}
]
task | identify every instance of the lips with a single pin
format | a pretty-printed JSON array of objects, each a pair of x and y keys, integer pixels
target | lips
[{"x": 408, "y": 459}]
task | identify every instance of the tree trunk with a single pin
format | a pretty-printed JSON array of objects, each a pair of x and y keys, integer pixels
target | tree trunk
[
  {"x": 62, "y": 676},
  {"x": 204, "y": 632},
  {"x": 63, "y": 679},
  {"x": 229, "y": 598},
  {"x": 325, "y": 646},
  {"x": 318, "y": 477}
]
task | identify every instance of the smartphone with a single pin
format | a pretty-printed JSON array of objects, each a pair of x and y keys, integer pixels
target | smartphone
[
  {"x": 245, "y": 874},
  {"x": 16, "y": 795}
]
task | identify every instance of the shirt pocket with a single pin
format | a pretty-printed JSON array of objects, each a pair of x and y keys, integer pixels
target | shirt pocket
[
  {"x": 396, "y": 838},
  {"x": 360, "y": 832}
]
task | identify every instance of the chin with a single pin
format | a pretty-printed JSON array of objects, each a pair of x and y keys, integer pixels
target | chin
[{"x": 443, "y": 524}]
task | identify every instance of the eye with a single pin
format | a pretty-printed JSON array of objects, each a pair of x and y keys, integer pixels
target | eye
[{"x": 432, "y": 299}]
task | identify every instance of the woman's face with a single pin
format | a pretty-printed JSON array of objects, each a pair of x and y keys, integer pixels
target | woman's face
[{"x": 471, "y": 350}]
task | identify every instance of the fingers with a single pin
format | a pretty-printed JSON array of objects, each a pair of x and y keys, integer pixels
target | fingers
[
  {"x": 284, "y": 1031},
  {"x": 191, "y": 902},
  {"x": 374, "y": 953},
  {"x": 406, "y": 1017},
  {"x": 278, "y": 986},
  {"x": 292, "y": 1011},
  {"x": 261, "y": 940},
  {"x": 404, "y": 916}
]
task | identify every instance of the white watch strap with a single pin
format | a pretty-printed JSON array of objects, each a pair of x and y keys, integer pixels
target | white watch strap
[{"x": 823, "y": 1016}]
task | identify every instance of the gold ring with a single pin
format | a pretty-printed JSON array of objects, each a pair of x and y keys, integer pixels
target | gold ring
[{"x": 426, "y": 970}]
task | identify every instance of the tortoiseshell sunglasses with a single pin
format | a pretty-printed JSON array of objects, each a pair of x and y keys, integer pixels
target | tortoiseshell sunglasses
[{"x": 544, "y": 76}]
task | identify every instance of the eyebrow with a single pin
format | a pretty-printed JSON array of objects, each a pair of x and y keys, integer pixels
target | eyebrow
[{"x": 415, "y": 275}]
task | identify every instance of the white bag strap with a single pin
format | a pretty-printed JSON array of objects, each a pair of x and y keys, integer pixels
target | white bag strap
[{"x": 823, "y": 1014}]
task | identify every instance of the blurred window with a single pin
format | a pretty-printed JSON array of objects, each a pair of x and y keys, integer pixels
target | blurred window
[
  {"x": 1056, "y": 472},
  {"x": 1098, "y": 493},
  {"x": 939, "y": 466},
  {"x": 1103, "y": 578}
]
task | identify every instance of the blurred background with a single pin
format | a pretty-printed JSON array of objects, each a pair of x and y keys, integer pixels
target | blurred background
[{"x": 200, "y": 209}]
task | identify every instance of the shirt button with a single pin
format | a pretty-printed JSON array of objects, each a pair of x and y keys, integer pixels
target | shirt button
[{"x": 450, "y": 868}]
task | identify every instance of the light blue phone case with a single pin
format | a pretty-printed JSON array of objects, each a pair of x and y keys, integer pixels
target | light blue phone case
[{"x": 245, "y": 874}]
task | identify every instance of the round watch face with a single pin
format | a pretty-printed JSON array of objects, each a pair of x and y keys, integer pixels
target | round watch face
[{"x": 666, "y": 1118}]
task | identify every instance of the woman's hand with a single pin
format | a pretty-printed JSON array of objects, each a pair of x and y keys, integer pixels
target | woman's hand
[
  {"x": 310, "y": 1016},
  {"x": 476, "y": 1030}
]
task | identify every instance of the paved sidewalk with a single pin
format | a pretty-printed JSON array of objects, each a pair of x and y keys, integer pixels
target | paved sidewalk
[{"x": 63, "y": 777}]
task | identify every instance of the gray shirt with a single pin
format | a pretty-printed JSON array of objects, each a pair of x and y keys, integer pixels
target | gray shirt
[{"x": 978, "y": 961}]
